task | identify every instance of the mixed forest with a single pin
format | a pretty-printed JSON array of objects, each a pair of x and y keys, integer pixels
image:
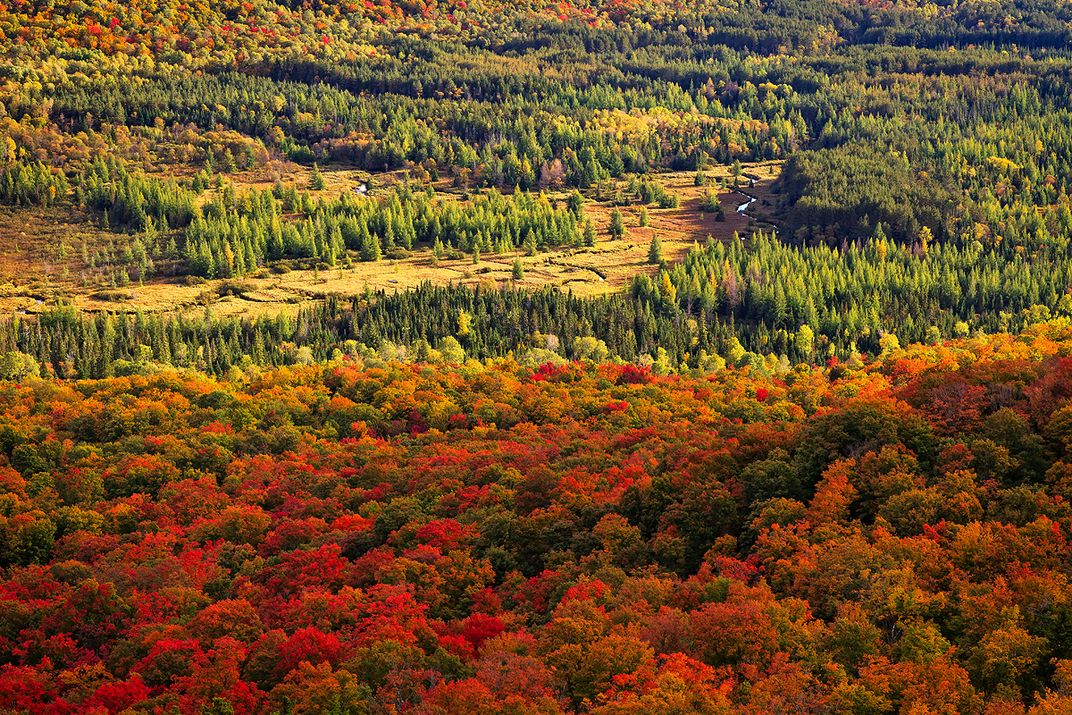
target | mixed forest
[
  {"x": 812, "y": 454},
  {"x": 924, "y": 193}
]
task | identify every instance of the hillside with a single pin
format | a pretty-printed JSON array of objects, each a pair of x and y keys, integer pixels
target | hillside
[{"x": 594, "y": 357}]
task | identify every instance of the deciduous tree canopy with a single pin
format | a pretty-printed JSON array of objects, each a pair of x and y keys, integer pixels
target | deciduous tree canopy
[{"x": 367, "y": 535}]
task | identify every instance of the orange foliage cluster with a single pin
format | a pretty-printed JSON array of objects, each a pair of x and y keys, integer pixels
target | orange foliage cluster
[
  {"x": 584, "y": 538},
  {"x": 203, "y": 29}
]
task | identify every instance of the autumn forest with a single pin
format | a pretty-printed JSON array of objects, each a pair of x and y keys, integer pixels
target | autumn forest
[{"x": 592, "y": 357}]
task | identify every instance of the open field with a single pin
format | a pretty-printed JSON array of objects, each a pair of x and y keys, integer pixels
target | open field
[
  {"x": 35, "y": 272},
  {"x": 42, "y": 258}
]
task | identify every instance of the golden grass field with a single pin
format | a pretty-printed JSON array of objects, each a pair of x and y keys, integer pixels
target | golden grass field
[{"x": 37, "y": 271}]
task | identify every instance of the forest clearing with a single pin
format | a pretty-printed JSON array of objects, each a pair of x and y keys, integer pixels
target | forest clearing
[{"x": 45, "y": 266}]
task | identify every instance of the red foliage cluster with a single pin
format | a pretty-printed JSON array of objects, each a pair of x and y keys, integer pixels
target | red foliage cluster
[{"x": 599, "y": 539}]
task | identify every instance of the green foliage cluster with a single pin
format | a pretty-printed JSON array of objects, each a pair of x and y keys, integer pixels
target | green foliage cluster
[{"x": 31, "y": 184}]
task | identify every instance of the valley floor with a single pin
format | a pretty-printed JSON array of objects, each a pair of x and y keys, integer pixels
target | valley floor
[{"x": 42, "y": 264}]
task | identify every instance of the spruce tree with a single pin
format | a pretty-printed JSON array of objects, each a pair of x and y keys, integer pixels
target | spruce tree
[
  {"x": 617, "y": 224},
  {"x": 316, "y": 179},
  {"x": 370, "y": 248},
  {"x": 589, "y": 235},
  {"x": 575, "y": 202},
  {"x": 655, "y": 250}
]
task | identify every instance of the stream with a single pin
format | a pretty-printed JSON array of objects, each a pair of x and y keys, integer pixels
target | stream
[{"x": 743, "y": 209}]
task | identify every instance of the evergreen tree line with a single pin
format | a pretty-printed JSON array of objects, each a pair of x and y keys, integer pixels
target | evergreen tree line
[
  {"x": 755, "y": 302},
  {"x": 31, "y": 184},
  {"x": 237, "y": 234},
  {"x": 850, "y": 297},
  {"x": 234, "y": 234},
  {"x": 502, "y": 143},
  {"x": 128, "y": 201}
]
